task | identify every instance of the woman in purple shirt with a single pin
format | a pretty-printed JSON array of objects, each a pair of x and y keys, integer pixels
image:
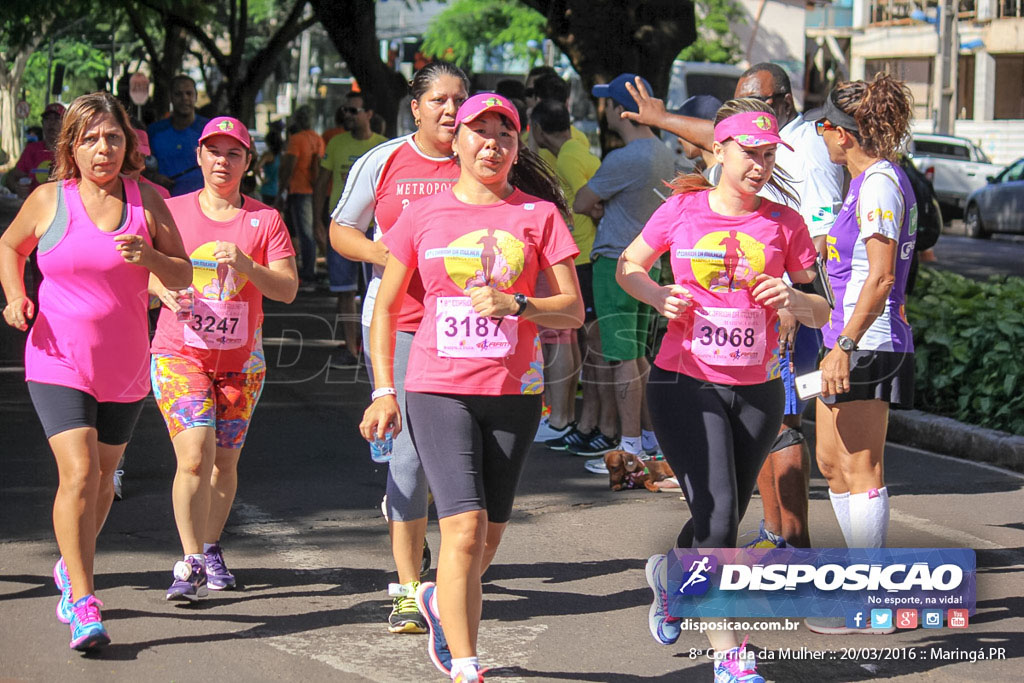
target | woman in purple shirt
[{"x": 869, "y": 362}]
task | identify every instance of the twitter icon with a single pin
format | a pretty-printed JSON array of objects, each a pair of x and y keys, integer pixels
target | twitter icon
[{"x": 881, "y": 618}]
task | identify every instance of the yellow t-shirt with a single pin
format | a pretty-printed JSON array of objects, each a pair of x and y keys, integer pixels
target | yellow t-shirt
[
  {"x": 549, "y": 158},
  {"x": 575, "y": 166},
  {"x": 342, "y": 151}
]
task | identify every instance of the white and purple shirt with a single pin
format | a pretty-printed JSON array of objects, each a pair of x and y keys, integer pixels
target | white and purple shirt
[{"x": 880, "y": 202}]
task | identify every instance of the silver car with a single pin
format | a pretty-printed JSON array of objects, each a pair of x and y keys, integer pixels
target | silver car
[{"x": 999, "y": 205}]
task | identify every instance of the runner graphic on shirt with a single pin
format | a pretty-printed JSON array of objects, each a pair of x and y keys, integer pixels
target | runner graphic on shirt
[
  {"x": 725, "y": 261},
  {"x": 488, "y": 257}
]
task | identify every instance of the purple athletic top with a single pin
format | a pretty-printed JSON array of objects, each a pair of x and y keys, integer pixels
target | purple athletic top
[{"x": 880, "y": 201}]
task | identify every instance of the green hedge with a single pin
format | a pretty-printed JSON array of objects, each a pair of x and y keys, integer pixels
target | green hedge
[{"x": 968, "y": 338}]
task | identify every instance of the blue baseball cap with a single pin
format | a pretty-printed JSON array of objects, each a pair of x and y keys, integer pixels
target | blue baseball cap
[
  {"x": 616, "y": 90},
  {"x": 701, "y": 107}
]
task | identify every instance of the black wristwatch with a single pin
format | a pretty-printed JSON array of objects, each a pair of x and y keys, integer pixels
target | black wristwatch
[
  {"x": 845, "y": 343},
  {"x": 520, "y": 299}
]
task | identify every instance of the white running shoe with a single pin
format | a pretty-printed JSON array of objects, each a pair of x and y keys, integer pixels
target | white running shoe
[
  {"x": 545, "y": 432},
  {"x": 596, "y": 465}
]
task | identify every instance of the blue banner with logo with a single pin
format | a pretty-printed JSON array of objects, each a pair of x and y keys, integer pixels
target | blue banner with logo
[{"x": 818, "y": 582}]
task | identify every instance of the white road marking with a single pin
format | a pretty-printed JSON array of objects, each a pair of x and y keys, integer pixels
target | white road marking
[{"x": 356, "y": 649}]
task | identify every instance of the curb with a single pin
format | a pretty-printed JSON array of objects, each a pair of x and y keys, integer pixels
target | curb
[{"x": 950, "y": 437}]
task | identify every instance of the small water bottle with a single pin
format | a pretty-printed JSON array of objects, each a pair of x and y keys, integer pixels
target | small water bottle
[
  {"x": 380, "y": 449},
  {"x": 184, "y": 313}
]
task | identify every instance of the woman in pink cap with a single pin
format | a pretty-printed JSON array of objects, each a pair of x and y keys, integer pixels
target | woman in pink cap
[
  {"x": 474, "y": 378},
  {"x": 715, "y": 394},
  {"x": 98, "y": 235},
  {"x": 207, "y": 364}
]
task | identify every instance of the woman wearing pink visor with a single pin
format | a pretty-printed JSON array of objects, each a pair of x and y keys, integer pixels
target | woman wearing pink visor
[
  {"x": 474, "y": 377},
  {"x": 207, "y": 354},
  {"x": 715, "y": 395}
]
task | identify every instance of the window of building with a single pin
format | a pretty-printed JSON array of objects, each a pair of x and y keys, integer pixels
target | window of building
[{"x": 1009, "y": 95}]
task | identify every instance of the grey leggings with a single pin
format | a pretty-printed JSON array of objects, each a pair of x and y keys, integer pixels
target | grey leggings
[
  {"x": 407, "y": 484},
  {"x": 715, "y": 437}
]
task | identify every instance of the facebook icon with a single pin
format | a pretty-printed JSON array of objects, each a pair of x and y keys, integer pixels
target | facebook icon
[{"x": 856, "y": 619}]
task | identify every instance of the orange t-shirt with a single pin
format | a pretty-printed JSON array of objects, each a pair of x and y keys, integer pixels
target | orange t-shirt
[{"x": 307, "y": 147}]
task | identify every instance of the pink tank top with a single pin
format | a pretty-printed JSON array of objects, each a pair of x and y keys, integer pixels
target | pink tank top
[{"x": 91, "y": 331}]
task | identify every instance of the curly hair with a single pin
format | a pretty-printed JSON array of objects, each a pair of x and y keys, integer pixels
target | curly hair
[
  {"x": 780, "y": 181},
  {"x": 882, "y": 109},
  {"x": 76, "y": 121}
]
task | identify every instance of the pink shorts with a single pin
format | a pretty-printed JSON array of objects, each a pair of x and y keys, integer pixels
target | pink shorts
[{"x": 188, "y": 396}]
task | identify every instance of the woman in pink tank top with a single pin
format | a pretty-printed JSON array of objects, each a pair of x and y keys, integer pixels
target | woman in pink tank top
[{"x": 99, "y": 236}]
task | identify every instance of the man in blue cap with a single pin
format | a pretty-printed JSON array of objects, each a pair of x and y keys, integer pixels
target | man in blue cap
[{"x": 630, "y": 185}]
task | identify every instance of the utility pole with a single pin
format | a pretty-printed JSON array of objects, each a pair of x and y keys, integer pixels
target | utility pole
[{"x": 946, "y": 73}]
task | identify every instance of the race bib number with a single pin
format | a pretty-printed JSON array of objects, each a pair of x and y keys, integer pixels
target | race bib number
[
  {"x": 219, "y": 325},
  {"x": 461, "y": 333},
  {"x": 729, "y": 336}
]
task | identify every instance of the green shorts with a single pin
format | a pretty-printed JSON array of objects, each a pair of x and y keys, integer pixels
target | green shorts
[{"x": 624, "y": 322}]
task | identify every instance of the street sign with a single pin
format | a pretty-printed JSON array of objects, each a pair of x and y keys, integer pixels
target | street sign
[
  {"x": 138, "y": 88},
  {"x": 21, "y": 109}
]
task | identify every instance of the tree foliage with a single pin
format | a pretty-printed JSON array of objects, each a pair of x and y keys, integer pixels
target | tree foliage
[
  {"x": 468, "y": 25},
  {"x": 715, "y": 40}
]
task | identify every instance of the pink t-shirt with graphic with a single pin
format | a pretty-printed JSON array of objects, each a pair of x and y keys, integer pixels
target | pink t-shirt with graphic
[
  {"x": 726, "y": 337},
  {"x": 455, "y": 247},
  {"x": 227, "y": 315}
]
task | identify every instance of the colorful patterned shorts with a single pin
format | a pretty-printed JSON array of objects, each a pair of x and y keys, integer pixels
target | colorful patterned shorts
[{"x": 189, "y": 396}]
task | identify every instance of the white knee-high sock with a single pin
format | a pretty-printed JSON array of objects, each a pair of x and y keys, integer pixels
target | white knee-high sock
[
  {"x": 841, "y": 506},
  {"x": 869, "y": 518}
]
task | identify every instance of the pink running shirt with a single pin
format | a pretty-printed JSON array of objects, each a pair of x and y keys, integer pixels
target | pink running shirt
[
  {"x": 456, "y": 247},
  {"x": 228, "y": 311},
  {"x": 726, "y": 337},
  {"x": 91, "y": 332}
]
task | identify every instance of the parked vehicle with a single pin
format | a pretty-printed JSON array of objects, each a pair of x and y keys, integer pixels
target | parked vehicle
[
  {"x": 955, "y": 166},
  {"x": 701, "y": 78},
  {"x": 999, "y": 205}
]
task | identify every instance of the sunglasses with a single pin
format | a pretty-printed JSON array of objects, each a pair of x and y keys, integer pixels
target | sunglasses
[
  {"x": 768, "y": 98},
  {"x": 822, "y": 125},
  {"x": 353, "y": 110}
]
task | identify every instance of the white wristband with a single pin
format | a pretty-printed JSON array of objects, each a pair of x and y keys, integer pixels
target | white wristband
[{"x": 383, "y": 391}]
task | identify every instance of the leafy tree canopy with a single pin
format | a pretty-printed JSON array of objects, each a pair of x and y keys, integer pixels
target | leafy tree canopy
[
  {"x": 467, "y": 25},
  {"x": 715, "y": 39}
]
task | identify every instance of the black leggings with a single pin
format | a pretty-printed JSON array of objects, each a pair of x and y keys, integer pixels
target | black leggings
[
  {"x": 715, "y": 437},
  {"x": 472, "y": 448}
]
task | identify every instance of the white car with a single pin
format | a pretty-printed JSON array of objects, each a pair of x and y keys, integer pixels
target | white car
[{"x": 956, "y": 166}]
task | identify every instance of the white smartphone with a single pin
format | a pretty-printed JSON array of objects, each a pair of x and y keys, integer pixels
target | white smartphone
[{"x": 808, "y": 386}]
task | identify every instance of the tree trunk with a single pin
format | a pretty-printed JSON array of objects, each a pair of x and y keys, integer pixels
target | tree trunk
[
  {"x": 10, "y": 84},
  {"x": 604, "y": 38},
  {"x": 352, "y": 28}
]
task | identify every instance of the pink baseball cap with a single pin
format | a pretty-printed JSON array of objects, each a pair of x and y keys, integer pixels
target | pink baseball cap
[
  {"x": 143, "y": 142},
  {"x": 484, "y": 102},
  {"x": 750, "y": 129},
  {"x": 226, "y": 125}
]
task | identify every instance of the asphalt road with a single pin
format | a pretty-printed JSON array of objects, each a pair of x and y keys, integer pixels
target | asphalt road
[
  {"x": 979, "y": 258},
  {"x": 566, "y": 599}
]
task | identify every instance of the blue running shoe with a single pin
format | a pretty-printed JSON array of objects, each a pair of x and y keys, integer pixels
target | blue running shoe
[
  {"x": 63, "y": 581},
  {"x": 766, "y": 539},
  {"x": 664, "y": 628},
  {"x": 189, "y": 580},
  {"x": 737, "y": 666},
  {"x": 87, "y": 630},
  {"x": 437, "y": 648}
]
